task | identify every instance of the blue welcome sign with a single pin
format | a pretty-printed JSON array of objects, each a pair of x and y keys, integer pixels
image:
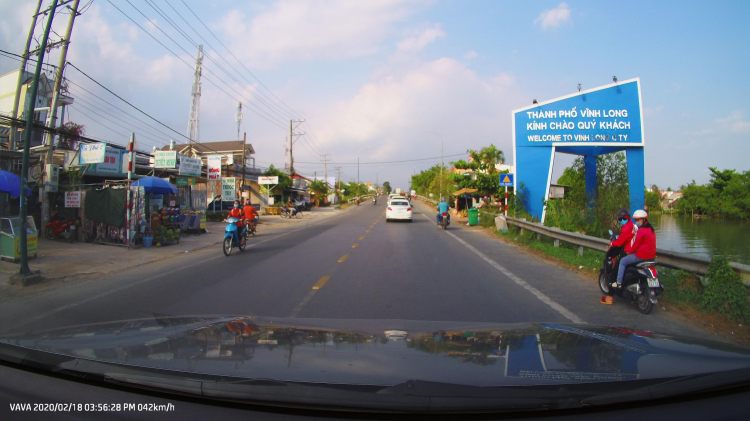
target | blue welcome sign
[{"x": 590, "y": 123}]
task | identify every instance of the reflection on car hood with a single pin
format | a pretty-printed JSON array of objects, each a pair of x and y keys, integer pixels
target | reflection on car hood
[{"x": 382, "y": 352}]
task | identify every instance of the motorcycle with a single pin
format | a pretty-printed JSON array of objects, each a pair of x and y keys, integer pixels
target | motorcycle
[
  {"x": 444, "y": 221},
  {"x": 374, "y": 200},
  {"x": 233, "y": 236},
  {"x": 251, "y": 230},
  {"x": 57, "y": 228},
  {"x": 286, "y": 213},
  {"x": 640, "y": 283}
]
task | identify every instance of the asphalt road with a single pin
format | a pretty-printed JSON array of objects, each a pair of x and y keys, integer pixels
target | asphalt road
[{"x": 350, "y": 266}]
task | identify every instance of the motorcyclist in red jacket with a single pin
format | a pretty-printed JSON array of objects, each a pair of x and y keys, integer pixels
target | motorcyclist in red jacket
[{"x": 642, "y": 245}]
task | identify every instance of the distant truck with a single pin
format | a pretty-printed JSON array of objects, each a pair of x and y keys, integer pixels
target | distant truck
[
  {"x": 398, "y": 190},
  {"x": 413, "y": 192}
]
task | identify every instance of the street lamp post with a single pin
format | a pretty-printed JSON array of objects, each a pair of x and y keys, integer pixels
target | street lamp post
[
  {"x": 358, "y": 152},
  {"x": 441, "y": 160}
]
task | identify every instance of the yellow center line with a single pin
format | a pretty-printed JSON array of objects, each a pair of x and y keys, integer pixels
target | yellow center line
[
  {"x": 355, "y": 245},
  {"x": 371, "y": 226},
  {"x": 362, "y": 237},
  {"x": 343, "y": 258},
  {"x": 367, "y": 231},
  {"x": 322, "y": 281}
]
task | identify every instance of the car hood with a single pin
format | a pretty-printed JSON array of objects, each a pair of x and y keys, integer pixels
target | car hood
[{"x": 388, "y": 352}]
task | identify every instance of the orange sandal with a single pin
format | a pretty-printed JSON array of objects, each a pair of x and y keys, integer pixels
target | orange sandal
[{"x": 606, "y": 299}]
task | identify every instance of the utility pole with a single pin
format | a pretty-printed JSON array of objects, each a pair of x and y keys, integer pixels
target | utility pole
[
  {"x": 21, "y": 71},
  {"x": 23, "y": 244},
  {"x": 291, "y": 143},
  {"x": 325, "y": 166},
  {"x": 53, "y": 105}
]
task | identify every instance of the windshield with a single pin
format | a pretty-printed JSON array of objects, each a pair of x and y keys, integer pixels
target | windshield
[{"x": 567, "y": 184}]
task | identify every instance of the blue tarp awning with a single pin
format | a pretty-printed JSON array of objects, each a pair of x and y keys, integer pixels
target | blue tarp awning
[{"x": 10, "y": 183}]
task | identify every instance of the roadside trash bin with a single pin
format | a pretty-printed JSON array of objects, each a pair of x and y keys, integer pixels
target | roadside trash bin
[
  {"x": 473, "y": 216},
  {"x": 500, "y": 223},
  {"x": 147, "y": 241}
]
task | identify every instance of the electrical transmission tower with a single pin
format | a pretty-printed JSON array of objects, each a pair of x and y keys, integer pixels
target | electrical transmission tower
[
  {"x": 193, "y": 131},
  {"x": 238, "y": 118}
]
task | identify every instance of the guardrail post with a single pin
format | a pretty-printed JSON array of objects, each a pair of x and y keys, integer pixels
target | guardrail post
[
  {"x": 557, "y": 243},
  {"x": 580, "y": 250},
  {"x": 522, "y": 230},
  {"x": 539, "y": 237}
]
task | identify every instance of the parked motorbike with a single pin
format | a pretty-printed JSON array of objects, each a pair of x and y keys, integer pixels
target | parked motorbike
[
  {"x": 286, "y": 213},
  {"x": 233, "y": 236},
  {"x": 57, "y": 228},
  {"x": 444, "y": 221},
  {"x": 640, "y": 283}
]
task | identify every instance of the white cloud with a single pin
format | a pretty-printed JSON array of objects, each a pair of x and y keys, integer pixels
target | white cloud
[
  {"x": 471, "y": 54},
  {"x": 554, "y": 18},
  {"x": 734, "y": 123},
  {"x": 419, "y": 39},
  {"x": 297, "y": 30},
  {"x": 392, "y": 112}
]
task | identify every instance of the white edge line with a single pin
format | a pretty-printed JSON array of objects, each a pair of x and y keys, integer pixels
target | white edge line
[{"x": 539, "y": 294}]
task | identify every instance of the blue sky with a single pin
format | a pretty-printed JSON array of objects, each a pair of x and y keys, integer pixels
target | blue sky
[{"x": 376, "y": 75}]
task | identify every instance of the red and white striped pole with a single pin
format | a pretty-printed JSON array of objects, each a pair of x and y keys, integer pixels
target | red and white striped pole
[
  {"x": 506, "y": 201},
  {"x": 130, "y": 178}
]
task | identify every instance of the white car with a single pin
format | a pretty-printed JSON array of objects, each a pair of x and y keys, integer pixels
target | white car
[
  {"x": 392, "y": 197},
  {"x": 398, "y": 208}
]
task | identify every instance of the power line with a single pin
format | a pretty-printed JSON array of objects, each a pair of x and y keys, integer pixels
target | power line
[
  {"x": 187, "y": 52},
  {"x": 238, "y": 61},
  {"x": 114, "y": 106},
  {"x": 389, "y": 162},
  {"x": 226, "y": 61},
  {"x": 132, "y": 129}
]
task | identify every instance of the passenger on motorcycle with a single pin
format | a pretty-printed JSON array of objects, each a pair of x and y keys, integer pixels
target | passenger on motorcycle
[
  {"x": 642, "y": 246},
  {"x": 441, "y": 208},
  {"x": 251, "y": 215}
]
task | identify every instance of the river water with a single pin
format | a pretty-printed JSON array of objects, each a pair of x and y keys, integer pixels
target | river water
[{"x": 703, "y": 236}]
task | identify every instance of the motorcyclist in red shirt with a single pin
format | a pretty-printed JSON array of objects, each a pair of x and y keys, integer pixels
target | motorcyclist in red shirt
[
  {"x": 642, "y": 245},
  {"x": 251, "y": 215},
  {"x": 236, "y": 213}
]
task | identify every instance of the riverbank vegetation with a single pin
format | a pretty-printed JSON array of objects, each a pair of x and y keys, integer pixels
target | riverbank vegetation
[{"x": 726, "y": 195}]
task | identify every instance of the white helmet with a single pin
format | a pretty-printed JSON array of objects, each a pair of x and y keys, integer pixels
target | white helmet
[{"x": 640, "y": 214}]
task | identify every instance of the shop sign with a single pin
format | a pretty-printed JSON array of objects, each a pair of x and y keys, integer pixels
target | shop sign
[
  {"x": 268, "y": 180},
  {"x": 92, "y": 153},
  {"x": 73, "y": 199},
  {"x": 111, "y": 164},
  {"x": 190, "y": 166},
  {"x": 165, "y": 159},
  {"x": 228, "y": 188},
  {"x": 156, "y": 201},
  {"x": 184, "y": 181},
  {"x": 214, "y": 167}
]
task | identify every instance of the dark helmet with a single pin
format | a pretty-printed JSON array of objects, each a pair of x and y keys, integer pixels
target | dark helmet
[{"x": 623, "y": 213}]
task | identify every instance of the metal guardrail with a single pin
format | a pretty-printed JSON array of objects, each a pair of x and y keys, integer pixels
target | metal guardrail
[
  {"x": 667, "y": 258},
  {"x": 427, "y": 199}
]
